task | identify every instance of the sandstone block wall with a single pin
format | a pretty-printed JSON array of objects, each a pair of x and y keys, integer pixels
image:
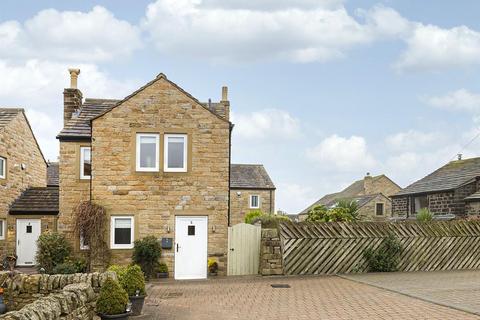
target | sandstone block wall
[
  {"x": 18, "y": 145},
  {"x": 240, "y": 204},
  {"x": 271, "y": 262},
  {"x": 368, "y": 211}
]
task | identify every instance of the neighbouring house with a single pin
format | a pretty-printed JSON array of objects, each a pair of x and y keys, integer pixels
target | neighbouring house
[
  {"x": 23, "y": 170},
  {"x": 250, "y": 189},
  {"x": 451, "y": 189},
  {"x": 370, "y": 193}
]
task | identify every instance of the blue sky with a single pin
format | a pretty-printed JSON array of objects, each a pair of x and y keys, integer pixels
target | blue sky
[{"x": 322, "y": 91}]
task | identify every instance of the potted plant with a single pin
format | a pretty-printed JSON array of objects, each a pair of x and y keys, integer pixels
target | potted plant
[
  {"x": 212, "y": 267},
  {"x": 132, "y": 280},
  {"x": 112, "y": 301},
  {"x": 162, "y": 270}
]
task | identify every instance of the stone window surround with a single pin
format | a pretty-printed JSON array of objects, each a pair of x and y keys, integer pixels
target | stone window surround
[
  {"x": 138, "y": 137},
  {"x": 82, "y": 159},
  {"x": 250, "y": 201},
  {"x": 114, "y": 246},
  {"x": 185, "y": 152},
  {"x": 161, "y": 132},
  {"x": 383, "y": 208},
  {"x": 4, "y": 167}
]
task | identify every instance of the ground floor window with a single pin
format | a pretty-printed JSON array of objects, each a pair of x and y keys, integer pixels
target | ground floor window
[
  {"x": 3, "y": 168},
  {"x": 420, "y": 203},
  {"x": 84, "y": 245},
  {"x": 2, "y": 229},
  {"x": 121, "y": 232},
  {"x": 379, "y": 209}
]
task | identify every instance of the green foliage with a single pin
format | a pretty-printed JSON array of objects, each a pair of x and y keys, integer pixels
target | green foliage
[
  {"x": 386, "y": 257},
  {"x": 212, "y": 266},
  {"x": 131, "y": 278},
  {"x": 338, "y": 214},
  {"x": 146, "y": 253},
  {"x": 53, "y": 249},
  {"x": 162, "y": 267},
  {"x": 252, "y": 215},
  {"x": 112, "y": 299},
  {"x": 350, "y": 206},
  {"x": 270, "y": 220},
  {"x": 71, "y": 265},
  {"x": 424, "y": 215}
]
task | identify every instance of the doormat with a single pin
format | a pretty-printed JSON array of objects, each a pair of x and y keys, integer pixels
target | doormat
[{"x": 280, "y": 285}]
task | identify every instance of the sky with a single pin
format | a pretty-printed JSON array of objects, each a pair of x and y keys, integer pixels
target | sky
[{"x": 321, "y": 91}]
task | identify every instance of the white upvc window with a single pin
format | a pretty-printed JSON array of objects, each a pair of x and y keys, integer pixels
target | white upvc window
[
  {"x": 83, "y": 243},
  {"x": 85, "y": 163},
  {"x": 175, "y": 153},
  {"x": 3, "y": 168},
  {"x": 3, "y": 223},
  {"x": 122, "y": 232},
  {"x": 147, "y": 154},
  {"x": 254, "y": 201}
]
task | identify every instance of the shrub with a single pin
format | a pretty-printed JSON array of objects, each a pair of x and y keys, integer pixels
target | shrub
[
  {"x": 271, "y": 220},
  {"x": 386, "y": 257},
  {"x": 338, "y": 214},
  {"x": 131, "y": 278},
  {"x": 53, "y": 249},
  {"x": 162, "y": 267},
  {"x": 112, "y": 299},
  {"x": 350, "y": 207},
  {"x": 71, "y": 265},
  {"x": 252, "y": 215},
  {"x": 212, "y": 266},
  {"x": 146, "y": 253},
  {"x": 119, "y": 270},
  {"x": 424, "y": 215}
]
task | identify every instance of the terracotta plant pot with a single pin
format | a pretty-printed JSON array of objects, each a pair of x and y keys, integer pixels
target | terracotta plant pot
[
  {"x": 161, "y": 275},
  {"x": 115, "y": 316},
  {"x": 137, "y": 304}
]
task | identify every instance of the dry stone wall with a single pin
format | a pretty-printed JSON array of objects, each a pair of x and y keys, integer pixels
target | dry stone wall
[{"x": 270, "y": 253}]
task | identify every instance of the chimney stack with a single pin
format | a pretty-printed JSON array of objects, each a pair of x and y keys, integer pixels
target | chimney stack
[
  {"x": 72, "y": 97},
  {"x": 368, "y": 184},
  {"x": 224, "y": 93}
]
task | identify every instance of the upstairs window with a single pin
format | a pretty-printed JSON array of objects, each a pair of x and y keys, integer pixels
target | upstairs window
[
  {"x": 379, "y": 207},
  {"x": 85, "y": 163},
  {"x": 254, "y": 201},
  {"x": 147, "y": 152},
  {"x": 3, "y": 167},
  {"x": 175, "y": 153}
]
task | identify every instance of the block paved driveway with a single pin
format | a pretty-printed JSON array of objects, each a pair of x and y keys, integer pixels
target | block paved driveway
[{"x": 322, "y": 297}]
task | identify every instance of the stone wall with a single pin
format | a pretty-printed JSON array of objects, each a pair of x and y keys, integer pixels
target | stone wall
[
  {"x": 472, "y": 208},
  {"x": 22, "y": 289},
  {"x": 18, "y": 145},
  {"x": 270, "y": 253},
  {"x": 368, "y": 211},
  {"x": 240, "y": 203}
]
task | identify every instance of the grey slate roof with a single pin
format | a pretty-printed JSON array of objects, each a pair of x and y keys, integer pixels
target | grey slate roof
[
  {"x": 52, "y": 174},
  {"x": 448, "y": 177},
  {"x": 43, "y": 200},
  {"x": 7, "y": 115},
  {"x": 79, "y": 126},
  {"x": 250, "y": 176}
]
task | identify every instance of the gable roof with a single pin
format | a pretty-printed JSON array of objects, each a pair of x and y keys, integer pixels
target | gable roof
[
  {"x": 52, "y": 174},
  {"x": 79, "y": 126},
  {"x": 42, "y": 200},
  {"x": 250, "y": 176},
  {"x": 7, "y": 115},
  {"x": 450, "y": 176},
  {"x": 353, "y": 191}
]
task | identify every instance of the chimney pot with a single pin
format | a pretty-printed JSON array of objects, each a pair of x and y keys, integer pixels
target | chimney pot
[
  {"x": 459, "y": 156},
  {"x": 224, "y": 93},
  {"x": 73, "y": 77}
]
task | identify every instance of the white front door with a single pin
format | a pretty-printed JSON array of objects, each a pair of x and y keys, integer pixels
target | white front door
[
  {"x": 191, "y": 247},
  {"x": 28, "y": 231}
]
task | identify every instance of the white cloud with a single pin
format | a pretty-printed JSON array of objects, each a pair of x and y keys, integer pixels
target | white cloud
[
  {"x": 412, "y": 140},
  {"x": 69, "y": 35},
  {"x": 269, "y": 5},
  {"x": 38, "y": 85},
  {"x": 386, "y": 22},
  {"x": 266, "y": 124},
  {"x": 459, "y": 100},
  {"x": 346, "y": 154},
  {"x": 245, "y": 33},
  {"x": 433, "y": 48},
  {"x": 293, "y": 198}
]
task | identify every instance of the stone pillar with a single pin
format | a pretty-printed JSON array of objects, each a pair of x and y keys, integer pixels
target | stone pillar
[{"x": 271, "y": 262}]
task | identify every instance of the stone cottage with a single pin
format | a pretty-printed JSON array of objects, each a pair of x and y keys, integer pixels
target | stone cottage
[
  {"x": 250, "y": 189},
  {"x": 370, "y": 193},
  {"x": 158, "y": 161},
  {"x": 451, "y": 189},
  {"x": 23, "y": 170}
]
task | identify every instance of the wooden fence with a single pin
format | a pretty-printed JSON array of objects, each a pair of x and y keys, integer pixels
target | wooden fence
[{"x": 331, "y": 248}]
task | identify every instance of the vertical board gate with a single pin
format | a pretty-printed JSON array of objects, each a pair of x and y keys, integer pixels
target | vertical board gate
[{"x": 243, "y": 249}]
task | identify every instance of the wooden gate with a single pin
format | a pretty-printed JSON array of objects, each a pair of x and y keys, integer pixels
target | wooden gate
[{"x": 243, "y": 249}]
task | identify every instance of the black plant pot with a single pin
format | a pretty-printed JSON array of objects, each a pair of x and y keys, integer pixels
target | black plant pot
[
  {"x": 162, "y": 275},
  {"x": 115, "y": 316},
  {"x": 137, "y": 304},
  {"x": 212, "y": 274}
]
